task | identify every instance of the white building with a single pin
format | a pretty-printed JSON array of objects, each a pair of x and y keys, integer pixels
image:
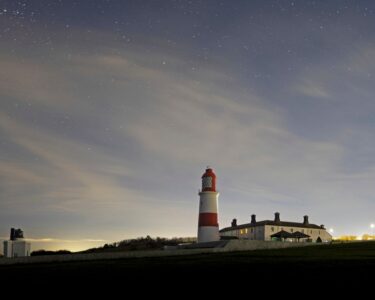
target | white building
[
  {"x": 16, "y": 246},
  {"x": 277, "y": 230}
]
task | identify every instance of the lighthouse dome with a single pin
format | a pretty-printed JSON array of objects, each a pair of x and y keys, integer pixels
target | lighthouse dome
[{"x": 209, "y": 181}]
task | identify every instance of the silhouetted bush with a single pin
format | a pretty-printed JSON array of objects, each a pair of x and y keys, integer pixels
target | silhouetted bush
[
  {"x": 141, "y": 243},
  {"x": 109, "y": 246},
  {"x": 46, "y": 252}
]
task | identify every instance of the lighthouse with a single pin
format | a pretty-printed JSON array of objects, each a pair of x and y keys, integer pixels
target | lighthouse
[{"x": 208, "y": 227}]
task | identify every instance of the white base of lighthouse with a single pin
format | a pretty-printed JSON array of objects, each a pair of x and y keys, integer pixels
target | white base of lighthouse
[{"x": 208, "y": 234}]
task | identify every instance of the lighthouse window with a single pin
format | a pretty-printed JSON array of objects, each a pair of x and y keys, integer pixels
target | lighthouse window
[{"x": 207, "y": 182}]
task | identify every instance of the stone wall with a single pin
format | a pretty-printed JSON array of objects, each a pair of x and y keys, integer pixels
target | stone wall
[{"x": 231, "y": 245}]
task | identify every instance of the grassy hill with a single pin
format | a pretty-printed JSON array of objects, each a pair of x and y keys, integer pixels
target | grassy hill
[{"x": 333, "y": 264}]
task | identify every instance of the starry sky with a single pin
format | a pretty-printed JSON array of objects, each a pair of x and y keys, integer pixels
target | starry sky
[{"x": 111, "y": 110}]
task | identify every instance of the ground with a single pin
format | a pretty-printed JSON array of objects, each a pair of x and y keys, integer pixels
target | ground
[{"x": 335, "y": 266}]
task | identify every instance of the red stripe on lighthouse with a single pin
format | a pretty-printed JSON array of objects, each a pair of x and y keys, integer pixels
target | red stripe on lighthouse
[{"x": 208, "y": 219}]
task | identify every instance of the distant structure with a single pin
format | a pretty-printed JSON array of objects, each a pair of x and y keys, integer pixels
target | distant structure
[
  {"x": 277, "y": 230},
  {"x": 16, "y": 246},
  {"x": 208, "y": 227}
]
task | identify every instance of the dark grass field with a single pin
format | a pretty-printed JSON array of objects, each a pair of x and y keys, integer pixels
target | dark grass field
[{"x": 336, "y": 265}]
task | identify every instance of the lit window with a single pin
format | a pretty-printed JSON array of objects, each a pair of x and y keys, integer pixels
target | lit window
[
  {"x": 246, "y": 230},
  {"x": 241, "y": 231}
]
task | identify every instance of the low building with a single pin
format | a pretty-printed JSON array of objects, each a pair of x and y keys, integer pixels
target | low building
[
  {"x": 276, "y": 229},
  {"x": 16, "y": 246}
]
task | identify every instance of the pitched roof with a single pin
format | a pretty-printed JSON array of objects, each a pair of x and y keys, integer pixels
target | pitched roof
[
  {"x": 282, "y": 234},
  {"x": 272, "y": 223},
  {"x": 300, "y": 235}
]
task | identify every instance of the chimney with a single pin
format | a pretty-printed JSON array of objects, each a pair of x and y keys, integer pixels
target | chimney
[
  {"x": 18, "y": 234},
  {"x": 305, "y": 220},
  {"x": 253, "y": 219},
  {"x": 277, "y": 217},
  {"x": 322, "y": 226},
  {"x": 12, "y": 234},
  {"x": 234, "y": 222}
]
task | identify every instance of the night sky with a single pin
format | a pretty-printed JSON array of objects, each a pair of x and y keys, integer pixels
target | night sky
[{"x": 111, "y": 110}]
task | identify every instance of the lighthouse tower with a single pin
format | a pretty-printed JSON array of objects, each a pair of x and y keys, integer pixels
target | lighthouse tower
[{"x": 208, "y": 227}]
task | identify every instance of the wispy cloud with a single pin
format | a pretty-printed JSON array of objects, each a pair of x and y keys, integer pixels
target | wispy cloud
[{"x": 314, "y": 89}]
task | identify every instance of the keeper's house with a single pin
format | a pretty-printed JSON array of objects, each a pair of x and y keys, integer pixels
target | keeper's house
[{"x": 277, "y": 230}]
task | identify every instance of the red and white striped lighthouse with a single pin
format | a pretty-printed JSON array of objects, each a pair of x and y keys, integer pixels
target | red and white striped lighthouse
[{"x": 208, "y": 227}]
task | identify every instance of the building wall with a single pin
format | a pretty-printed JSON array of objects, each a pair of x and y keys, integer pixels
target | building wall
[
  {"x": 264, "y": 232},
  {"x": 252, "y": 233},
  {"x": 21, "y": 248},
  {"x": 17, "y": 248},
  {"x": 8, "y": 248}
]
